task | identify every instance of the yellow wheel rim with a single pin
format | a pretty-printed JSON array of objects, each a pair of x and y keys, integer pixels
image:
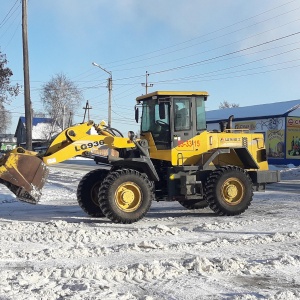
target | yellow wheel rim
[
  {"x": 128, "y": 197},
  {"x": 233, "y": 191}
]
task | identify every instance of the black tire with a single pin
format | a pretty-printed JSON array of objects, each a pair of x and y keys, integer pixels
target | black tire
[
  {"x": 229, "y": 191},
  {"x": 194, "y": 204},
  {"x": 125, "y": 196},
  {"x": 87, "y": 192}
]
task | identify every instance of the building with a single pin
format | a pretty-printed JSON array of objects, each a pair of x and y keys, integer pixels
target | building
[
  {"x": 279, "y": 122},
  {"x": 42, "y": 130}
]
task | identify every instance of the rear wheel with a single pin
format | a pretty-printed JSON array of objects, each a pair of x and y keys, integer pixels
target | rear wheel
[
  {"x": 125, "y": 196},
  {"x": 87, "y": 192},
  {"x": 194, "y": 204},
  {"x": 229, "y": 191}
]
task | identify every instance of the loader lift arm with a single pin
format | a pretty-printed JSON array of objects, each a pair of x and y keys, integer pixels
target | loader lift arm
[
  {"x": 77, "y": 141},
  {"x": 25, "y": 172}
]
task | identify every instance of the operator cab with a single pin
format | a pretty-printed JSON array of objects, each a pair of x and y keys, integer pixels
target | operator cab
[{"x": 171, "y": 117}]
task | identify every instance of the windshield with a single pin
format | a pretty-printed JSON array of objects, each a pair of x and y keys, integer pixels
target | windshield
[
  {"x": 158, "y": 125},
  {"x": 151, "y": 120}
]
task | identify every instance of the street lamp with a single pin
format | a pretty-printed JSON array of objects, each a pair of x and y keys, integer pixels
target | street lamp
[{"x": 109, "y": 85}]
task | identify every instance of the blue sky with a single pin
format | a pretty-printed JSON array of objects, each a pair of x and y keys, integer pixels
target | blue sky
[{"x": 244, "y": 52}]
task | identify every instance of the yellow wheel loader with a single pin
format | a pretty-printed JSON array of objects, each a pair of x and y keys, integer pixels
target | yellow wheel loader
[{"x": 174, "y": 159}]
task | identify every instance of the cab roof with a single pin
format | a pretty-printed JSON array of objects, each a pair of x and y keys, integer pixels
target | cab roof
[{"x": 172, "y": 93}]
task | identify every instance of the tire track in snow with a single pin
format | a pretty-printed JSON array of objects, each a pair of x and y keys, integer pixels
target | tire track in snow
[
  {"x": 32, "y": 278},
  {"x": 83, "y": 243},
  {"x": 63, "y": 231}
]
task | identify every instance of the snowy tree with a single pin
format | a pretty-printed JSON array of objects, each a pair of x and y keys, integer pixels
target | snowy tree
[
  {"x": 226, "y": 104},
  {"x": 60, "y": 98},
  {"x": 7, "y": 91}
]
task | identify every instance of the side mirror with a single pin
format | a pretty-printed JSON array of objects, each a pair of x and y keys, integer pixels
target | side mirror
[
  {"x": 136, "y": 112},
  {"x": 162, "y": 111}
]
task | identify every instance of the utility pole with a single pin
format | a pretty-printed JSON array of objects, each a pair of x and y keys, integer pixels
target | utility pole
[
  {"x": 109, "y": 100},
  {"x": 109, "y": 85},
  {"x": 146, "y": 84},
  {"x": 27, "y": 101},
  {"x": 70, "y": 119},
  {"x": 87, "y": 108},
  {"x": 64, "y": 117}
]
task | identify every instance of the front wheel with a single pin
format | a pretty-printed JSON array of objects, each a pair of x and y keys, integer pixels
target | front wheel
[
  {"x": 87, "y": 192},
  {"x": 229, "y": 191},
  {"x": 125, "y": 196}
]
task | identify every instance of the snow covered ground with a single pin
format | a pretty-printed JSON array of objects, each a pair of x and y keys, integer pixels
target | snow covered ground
[{"x": 54, "y": 251}]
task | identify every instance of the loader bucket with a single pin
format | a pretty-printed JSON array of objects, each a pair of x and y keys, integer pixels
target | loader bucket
[{"x": 24, "y": 174}]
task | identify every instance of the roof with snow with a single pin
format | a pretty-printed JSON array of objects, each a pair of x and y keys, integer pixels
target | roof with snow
[
  {"x": 7, "y": 138},
  {"x": 36, "y": 121},
  {"x": 42, "y": 128},
  {"x": 260, "y": 111}
]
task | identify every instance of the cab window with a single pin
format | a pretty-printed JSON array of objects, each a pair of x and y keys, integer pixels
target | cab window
[
  {"x": 200, "y": 114},
  {"x": 151, "y": 120},
  {"x": 182, "y": 114}
]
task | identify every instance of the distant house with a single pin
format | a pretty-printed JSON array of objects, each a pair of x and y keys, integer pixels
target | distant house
[
  {"x": 279, "y": 122},
  {"x": 42, "y": 131},
  {"x": 7, "y": 142}
]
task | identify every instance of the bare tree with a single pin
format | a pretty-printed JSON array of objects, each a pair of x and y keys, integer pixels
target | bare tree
[
  {"x": 46, "y": 130},
  {"x": 39, "y": 114},
  {"x": 5, "y": 118},
  {"x": 7, "y": 91},
  {"x": 61, "y": 98},
  {"x": 226, "y": 104}
]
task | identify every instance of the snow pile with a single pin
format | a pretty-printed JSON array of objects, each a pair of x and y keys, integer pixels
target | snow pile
[
  {"x": 54, "y": 251},
  {"x": 290, "y": 173}
]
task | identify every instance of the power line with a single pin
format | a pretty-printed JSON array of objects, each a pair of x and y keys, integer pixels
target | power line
[
  {"x": 227, "y": 54},
  {"x": 211, "y": 39},
  {"x": 139, "y": 76},
  {"x": 235, "y": 66},
  {"x": 207, "y": 34},
  {"x": 198, "y": 37},
  {"x": 8, "y": 15},
  {"x": 206, "y": 51},
  {"x": 11, "y": 24},
  {"x": 231, "y": 67},
  {"x": 238, "y": 76},
  {"x": 210, "y": 59},
  {"x": 13, "y": 35}
]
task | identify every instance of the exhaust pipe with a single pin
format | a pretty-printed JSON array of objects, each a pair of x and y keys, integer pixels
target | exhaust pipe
[{"x": 229, "y": 124}]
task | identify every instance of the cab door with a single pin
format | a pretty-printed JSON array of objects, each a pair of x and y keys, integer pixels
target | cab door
[{"x": 182, "y": 123}]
